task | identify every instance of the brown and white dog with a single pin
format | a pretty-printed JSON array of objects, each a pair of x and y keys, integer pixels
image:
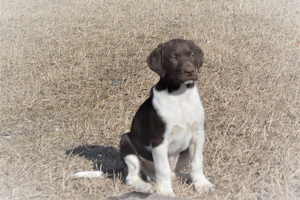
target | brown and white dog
[{"x": 167, "y": 131}]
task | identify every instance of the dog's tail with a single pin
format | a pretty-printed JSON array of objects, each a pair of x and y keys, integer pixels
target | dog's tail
[{"x": 87, "y": 174}]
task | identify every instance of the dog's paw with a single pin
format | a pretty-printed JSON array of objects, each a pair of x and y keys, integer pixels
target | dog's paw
[
  {"x": 166, "y": 191},
  {"x": 145, "y": 187},
  {"x": 141, "y": 186},
  {"x": 204, "y": 186}
]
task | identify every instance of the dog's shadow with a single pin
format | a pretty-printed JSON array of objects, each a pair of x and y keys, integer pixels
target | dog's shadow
[{"x": 106, "y": 159}]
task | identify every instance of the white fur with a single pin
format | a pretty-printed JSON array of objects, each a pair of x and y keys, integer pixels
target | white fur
[
  {"x": 133, "y": 178},
  {"x": 183, "y": 114},
  {"x": 87, "y": 174},
  {"x": 189, "y": 82},
  {"x": 163, "y": 175}
]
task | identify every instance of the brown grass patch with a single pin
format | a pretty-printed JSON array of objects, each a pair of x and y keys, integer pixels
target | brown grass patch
[{"x": 73, "y": 73}]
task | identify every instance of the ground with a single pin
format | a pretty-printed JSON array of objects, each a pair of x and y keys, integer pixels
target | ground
[{"x": 73, "y": 73}]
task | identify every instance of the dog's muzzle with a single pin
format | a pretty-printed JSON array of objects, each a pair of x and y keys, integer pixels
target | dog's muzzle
[{"x": 189, "y": 82}]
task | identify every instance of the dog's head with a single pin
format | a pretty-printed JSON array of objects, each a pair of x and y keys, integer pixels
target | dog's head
[{"x": 177, "y": 60}]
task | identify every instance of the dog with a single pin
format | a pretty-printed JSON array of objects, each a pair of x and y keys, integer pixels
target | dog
[{"x": 167, "y": 131}]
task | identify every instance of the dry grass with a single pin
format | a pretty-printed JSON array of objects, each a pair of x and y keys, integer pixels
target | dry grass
[{"x": 73, "y": 73}]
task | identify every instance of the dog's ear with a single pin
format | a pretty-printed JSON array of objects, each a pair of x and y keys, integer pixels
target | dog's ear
[
  {"x": 156, "y": 60},
  {"x": 199, "y": 55}
]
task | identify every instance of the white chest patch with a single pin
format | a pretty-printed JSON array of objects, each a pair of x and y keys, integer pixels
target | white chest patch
[{"x": 183, "y": 114}]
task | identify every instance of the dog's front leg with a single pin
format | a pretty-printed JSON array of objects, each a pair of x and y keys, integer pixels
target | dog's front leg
[
  {"x": 163, "y": 174},
  {"x": 201, "y": 184}
]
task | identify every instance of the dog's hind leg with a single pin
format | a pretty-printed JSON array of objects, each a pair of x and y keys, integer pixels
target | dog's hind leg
[
  {"x": 133, "y": 178},
  {"x": 133, "y": 164}
]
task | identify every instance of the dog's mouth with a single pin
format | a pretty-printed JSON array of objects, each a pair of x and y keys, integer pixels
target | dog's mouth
[
  {"x": 183, "y": 78},
  {"x": 188, "y": 82}
]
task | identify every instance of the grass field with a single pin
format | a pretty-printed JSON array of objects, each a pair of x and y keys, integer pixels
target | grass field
[{"x": 73, "y": 73}]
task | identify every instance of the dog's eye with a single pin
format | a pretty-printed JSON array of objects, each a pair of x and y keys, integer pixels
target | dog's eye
[
  {"x": 173, "y": 57},
  {"x": 192, "y": 54}
]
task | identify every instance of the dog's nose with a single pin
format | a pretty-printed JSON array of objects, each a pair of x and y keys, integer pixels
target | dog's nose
[{"x": 189, "y": 71}]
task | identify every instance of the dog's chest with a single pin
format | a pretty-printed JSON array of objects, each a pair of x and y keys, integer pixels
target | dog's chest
[{"x": 183, "y": 114}]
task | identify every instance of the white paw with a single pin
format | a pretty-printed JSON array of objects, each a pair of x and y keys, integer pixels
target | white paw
[
  {"x": 204, "y": 186},
  {"x": 141, "y": 186},
  {"x": 145, "y": 187},
  {"x": 166, "y": 191}
]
